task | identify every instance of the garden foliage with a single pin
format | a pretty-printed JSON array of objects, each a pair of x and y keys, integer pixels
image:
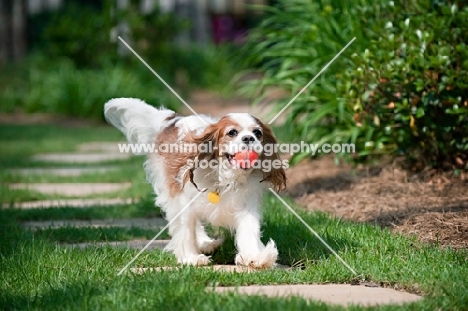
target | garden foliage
[
  {"x": 400, "y": 88},
  {"x": 75, "y": 66}
]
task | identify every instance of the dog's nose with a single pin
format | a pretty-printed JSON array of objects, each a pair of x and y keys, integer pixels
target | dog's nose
[{"x": 247, "y": 139}]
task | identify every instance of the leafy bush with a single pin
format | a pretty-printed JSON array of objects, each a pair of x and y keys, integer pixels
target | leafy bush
[
  {"x": 79, "y": 32},
  {"x": 75, "y": 68},
  {"x": 85, "y": 40},
  {"x": 399, "y": 89},
  {"x": 87, "y": 34},
  {"x": 193, "y": 66},
  {"x": 63, "y": 89},
  {"x": 410, "y": 86}
]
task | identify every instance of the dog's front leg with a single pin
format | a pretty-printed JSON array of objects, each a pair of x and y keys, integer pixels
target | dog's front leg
[{"x": 251, "y": 251}]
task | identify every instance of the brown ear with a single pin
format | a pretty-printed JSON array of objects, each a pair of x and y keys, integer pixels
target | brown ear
[
  {"x": 277, "y": 177},
  {"x": 178, "y": 165},
  {"x": 209, "y": 138}
]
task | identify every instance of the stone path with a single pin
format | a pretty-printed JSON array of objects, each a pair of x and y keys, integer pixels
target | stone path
[
  {"x": 92, "y": 153},
  {"x": 98, "y": 223},
  {"x": 134, "y": 244},
  {"x": 73, "y": 189},
  {"x": 83, "y": 158},
  {"x": 75, "y": 203},
  {"x": 337, "y": 294},
  {"x": 222, "y": 268},
  {"x": 64, "y": 171},
  {"x": 101, "y": 147}
]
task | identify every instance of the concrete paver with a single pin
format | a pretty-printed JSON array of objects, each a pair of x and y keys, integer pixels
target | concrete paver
[
  {"x": 63, "y": 171},
  {"x": 98, "y": 223},
  {"x": 100, "y": 146},
  {"x": 75, "y": 203},
  {"x": 224, "y": 268},
  {"x": 133, "y": 244},
  {"x": 81, "y": 158},
  {"x": 73, "y": 189},
  {"x": 338, "y": 294}
]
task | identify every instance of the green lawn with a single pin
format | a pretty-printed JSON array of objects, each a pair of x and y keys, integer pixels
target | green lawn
[{"x": 38, "y": 273}]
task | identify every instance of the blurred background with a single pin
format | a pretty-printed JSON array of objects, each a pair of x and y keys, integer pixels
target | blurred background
[{"x": 64, "y": 57}]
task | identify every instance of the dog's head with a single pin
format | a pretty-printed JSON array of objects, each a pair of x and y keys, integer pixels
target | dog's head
[{"x": 242, "y": 134}]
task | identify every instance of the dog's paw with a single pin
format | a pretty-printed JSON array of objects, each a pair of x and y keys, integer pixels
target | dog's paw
[
  {"x": 195, "y": 260},
  {"x": 262, "y": 260},
  {"x": 209, "y": 246}
]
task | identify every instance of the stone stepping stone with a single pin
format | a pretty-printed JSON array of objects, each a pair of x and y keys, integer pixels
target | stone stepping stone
[
  {"x": 97, "y": 223},
  {"x": 337, "y": 294},
  {"x": 101, "y": 146},
  {"x": 221, "y": 268},
  {"x": 80, "y": 158},
  {"x": 133, "y": 244},
  {"x": 66, "y": 171},
  {"x": 75, "y": 203},
  {"x": 73, "y": 189}
]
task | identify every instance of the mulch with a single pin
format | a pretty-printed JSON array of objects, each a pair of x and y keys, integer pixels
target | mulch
[{"x": 431, "y": 205}]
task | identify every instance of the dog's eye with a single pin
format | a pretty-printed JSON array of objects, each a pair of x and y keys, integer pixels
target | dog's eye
[
  {"x": 232, "y": 133},
  {"x": 257, "y": 133}
]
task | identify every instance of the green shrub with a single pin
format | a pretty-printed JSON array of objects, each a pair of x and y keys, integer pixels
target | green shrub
[
  {"x": 79, "y": 32},
  {"x": 410, "y": 85},
  {"x": 197, "y": 67},
  {"x": 400, "y": 89},
  {"x": 64, "y": 89},
  {"x": 74, "y": 67},
  {"x": 87, "y": 34}
]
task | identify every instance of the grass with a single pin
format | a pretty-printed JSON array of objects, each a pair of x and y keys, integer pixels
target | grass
[{"x": 37, "y": 272}]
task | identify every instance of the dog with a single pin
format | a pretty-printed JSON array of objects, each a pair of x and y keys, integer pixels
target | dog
[{"x": 233, "y": 188}]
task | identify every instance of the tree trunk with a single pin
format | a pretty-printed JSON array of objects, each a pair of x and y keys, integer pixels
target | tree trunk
[
  {"x": 12, "y": 30},
  {"x": 19, "y": 29},
  {"x": 4, "y": 37}
]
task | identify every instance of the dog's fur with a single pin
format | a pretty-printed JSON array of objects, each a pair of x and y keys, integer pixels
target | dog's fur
[{"x": 176, "y": 183}]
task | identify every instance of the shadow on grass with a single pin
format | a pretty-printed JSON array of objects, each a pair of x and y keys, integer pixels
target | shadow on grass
[{"x": 296, "y": 244}]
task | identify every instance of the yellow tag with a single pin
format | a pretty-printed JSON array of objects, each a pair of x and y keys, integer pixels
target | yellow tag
[{"x": 213, "y": 197}]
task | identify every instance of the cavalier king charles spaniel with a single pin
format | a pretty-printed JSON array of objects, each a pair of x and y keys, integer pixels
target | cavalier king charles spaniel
[{"x": 224, "y": 157}]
